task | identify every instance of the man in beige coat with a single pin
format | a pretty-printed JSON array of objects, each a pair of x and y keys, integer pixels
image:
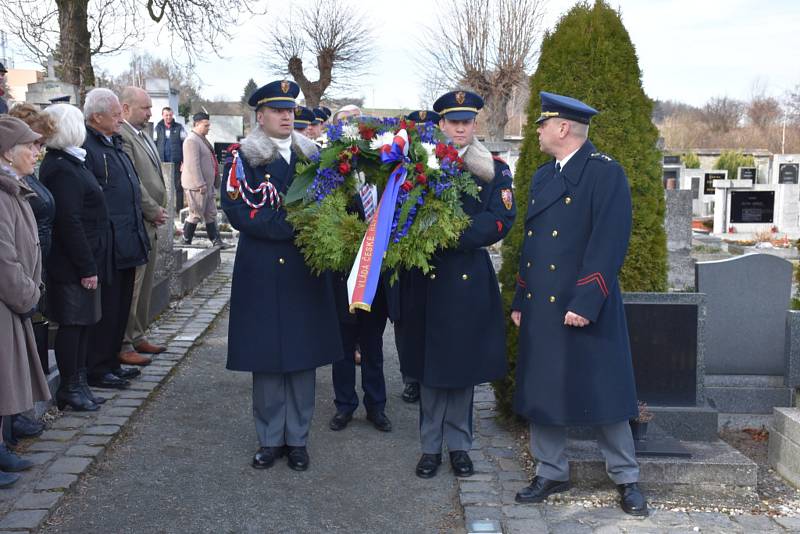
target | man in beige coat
[
  {"x": 137, "y": 143},
  {"x": 200, "y": 179}
]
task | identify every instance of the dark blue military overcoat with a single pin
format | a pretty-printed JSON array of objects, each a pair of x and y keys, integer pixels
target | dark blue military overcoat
[
  {"x": 282, "y": 317},
  {"x": 451, "y": 329},
  {"x": 576, "y": 235}
]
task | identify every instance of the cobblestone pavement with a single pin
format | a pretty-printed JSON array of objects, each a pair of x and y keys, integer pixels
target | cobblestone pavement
[
  {"x": 181, "y": 463},
  {"x": 490, "y": 495},
  {"x": 172, "y": 455},
  {"x": 76, "y": 440}
]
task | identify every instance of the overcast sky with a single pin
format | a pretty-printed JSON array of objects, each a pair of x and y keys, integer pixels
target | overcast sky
[{"x": 689, "y": 50}]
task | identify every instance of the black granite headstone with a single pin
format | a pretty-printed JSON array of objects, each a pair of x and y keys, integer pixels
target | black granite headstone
[
  {"x": 752, "y": 206},
  {"x": 788, "y": 173},
  {"x": 709, "y": 181},
  {"x": 664, "y": 347},
  {"x": 747, "y": 173}
]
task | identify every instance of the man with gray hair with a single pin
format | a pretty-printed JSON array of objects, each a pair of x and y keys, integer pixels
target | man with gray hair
[
  {"x": 114, "y": 171},
  {"x": 137, "y": 143}
]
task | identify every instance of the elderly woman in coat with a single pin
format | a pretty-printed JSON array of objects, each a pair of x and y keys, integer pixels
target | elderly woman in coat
[
  {"x": 80, "y": 259},
  {"x": 21, "y": 379}
]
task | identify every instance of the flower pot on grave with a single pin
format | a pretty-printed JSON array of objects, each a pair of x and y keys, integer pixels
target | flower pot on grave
[{"x": 639, "y": 430}]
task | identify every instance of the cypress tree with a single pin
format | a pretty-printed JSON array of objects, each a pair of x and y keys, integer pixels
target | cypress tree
[{"x": 589, "y": 56}]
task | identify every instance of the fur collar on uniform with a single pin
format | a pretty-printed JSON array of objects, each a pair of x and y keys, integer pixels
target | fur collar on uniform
[
  {"x": 14, "y": 187},
  {"x": 259, "y": 149},
  {"x": 478, "y": 161}
]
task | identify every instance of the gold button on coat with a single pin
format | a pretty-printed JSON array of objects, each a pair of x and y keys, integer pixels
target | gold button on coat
[
  {"x": 433, "y": 276},
  {"x": 480, "y": 188},
  {"x": 464, "y": 276},
  {"x": 530, "y": 233},
  {"x": 528, "y": 265},
  {"x": 533, "y": 201},
  {"x": 555, "y": 233},
  {"x": 552, "y": 267},
  {"x": 552, "y": 299},
  {"x": 567, "y": 200},
  {"x": 281, "y": 261},
  {"x": 529, "y": 296}
]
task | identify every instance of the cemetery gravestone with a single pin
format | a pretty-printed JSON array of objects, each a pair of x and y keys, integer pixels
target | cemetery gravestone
[
  {"x": 747, "y": 299},
  {"x": 752, "y": 206},
  {"x": 747, "y": 173},
  {"x": 788, "y": 173},
  {"x": 709, "y": 178}
]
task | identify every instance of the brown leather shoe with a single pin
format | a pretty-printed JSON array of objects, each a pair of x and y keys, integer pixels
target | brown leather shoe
[
  {"x": 146, "y": 346},
  {"x": 133, "y": 358}
]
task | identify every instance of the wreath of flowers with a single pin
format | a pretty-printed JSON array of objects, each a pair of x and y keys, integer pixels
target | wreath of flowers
[{"x": 323, "y": 202}]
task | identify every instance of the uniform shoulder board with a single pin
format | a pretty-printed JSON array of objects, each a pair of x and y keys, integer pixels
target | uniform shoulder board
[{"x": 601, "y": 156}]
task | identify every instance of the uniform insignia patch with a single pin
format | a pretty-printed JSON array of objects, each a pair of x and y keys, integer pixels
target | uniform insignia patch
[
  {"x": 460, "y": 97},
  {"x": 285, "y": 86},
  {"x": 508, "y": 198},
  {"x": 233, "y": 195},
  {"x": 600, "y": 155},
  {"x": 507, "y": 172},
  {"x": 422, "y": 115}
]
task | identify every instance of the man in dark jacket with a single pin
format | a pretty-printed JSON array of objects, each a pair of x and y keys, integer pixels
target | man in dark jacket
[
  {"x": 169, "y": 141},
  {"x": 283, "y": 322},
  {"x": 114, "y": 171},
  {"x": 3, "y": 105},
  {"x": 451, "y": 327},
  {"x": 574, "y": 365}
]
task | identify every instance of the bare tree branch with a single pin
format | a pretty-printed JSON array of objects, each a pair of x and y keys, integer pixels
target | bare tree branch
[
  {"x": 328, "y": 34},
  {"x": 488, "y": 46},
  {"x": 74, "y": 31}
]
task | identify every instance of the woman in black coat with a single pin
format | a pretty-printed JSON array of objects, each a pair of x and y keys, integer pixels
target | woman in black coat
[{"x": 79, "y": 257}]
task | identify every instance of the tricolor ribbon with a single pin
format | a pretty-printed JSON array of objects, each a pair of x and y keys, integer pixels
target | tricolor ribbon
[
  {"x": 362, "y": 284},
  {"x": 238, "y": 182}
]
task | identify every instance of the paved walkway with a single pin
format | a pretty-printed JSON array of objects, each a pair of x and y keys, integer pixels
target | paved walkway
[{"x": 172, "y": 455}]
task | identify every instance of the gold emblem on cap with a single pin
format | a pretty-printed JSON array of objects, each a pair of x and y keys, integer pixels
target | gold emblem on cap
[
  {"x": 285, "y": 86},
  {"x": 460, "y": 97},
  {"x": 422, "y": 115},
  {"x": 297, "y": 111}
]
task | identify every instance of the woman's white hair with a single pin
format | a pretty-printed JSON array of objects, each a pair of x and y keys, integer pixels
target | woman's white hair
[
  {"x": 99, "y": 100},
  {"x": 70, "y": 128}
]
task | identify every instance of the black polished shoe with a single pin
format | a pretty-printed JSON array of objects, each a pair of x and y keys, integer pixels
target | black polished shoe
[
  {"x": 266, "y": 456},
  {"x": 428, "y": 465},
  {"x": 632, "y": 500},
  {"x": 379, "y": 421},
  {"x": 108, "y": 381},
  {"x": 340, "y": 420},
  {"x": 126, "y": 373},
  {"x": 411, "y": 392},
  {"x": 298, "y": 458},
  {"x": 25, "y": 427},
  {"x": 461, "y": 464},
  {"x": 540, "y": 489},
  {"x": 12, "y": 463},
  {"x": 8, "y": 479}
]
